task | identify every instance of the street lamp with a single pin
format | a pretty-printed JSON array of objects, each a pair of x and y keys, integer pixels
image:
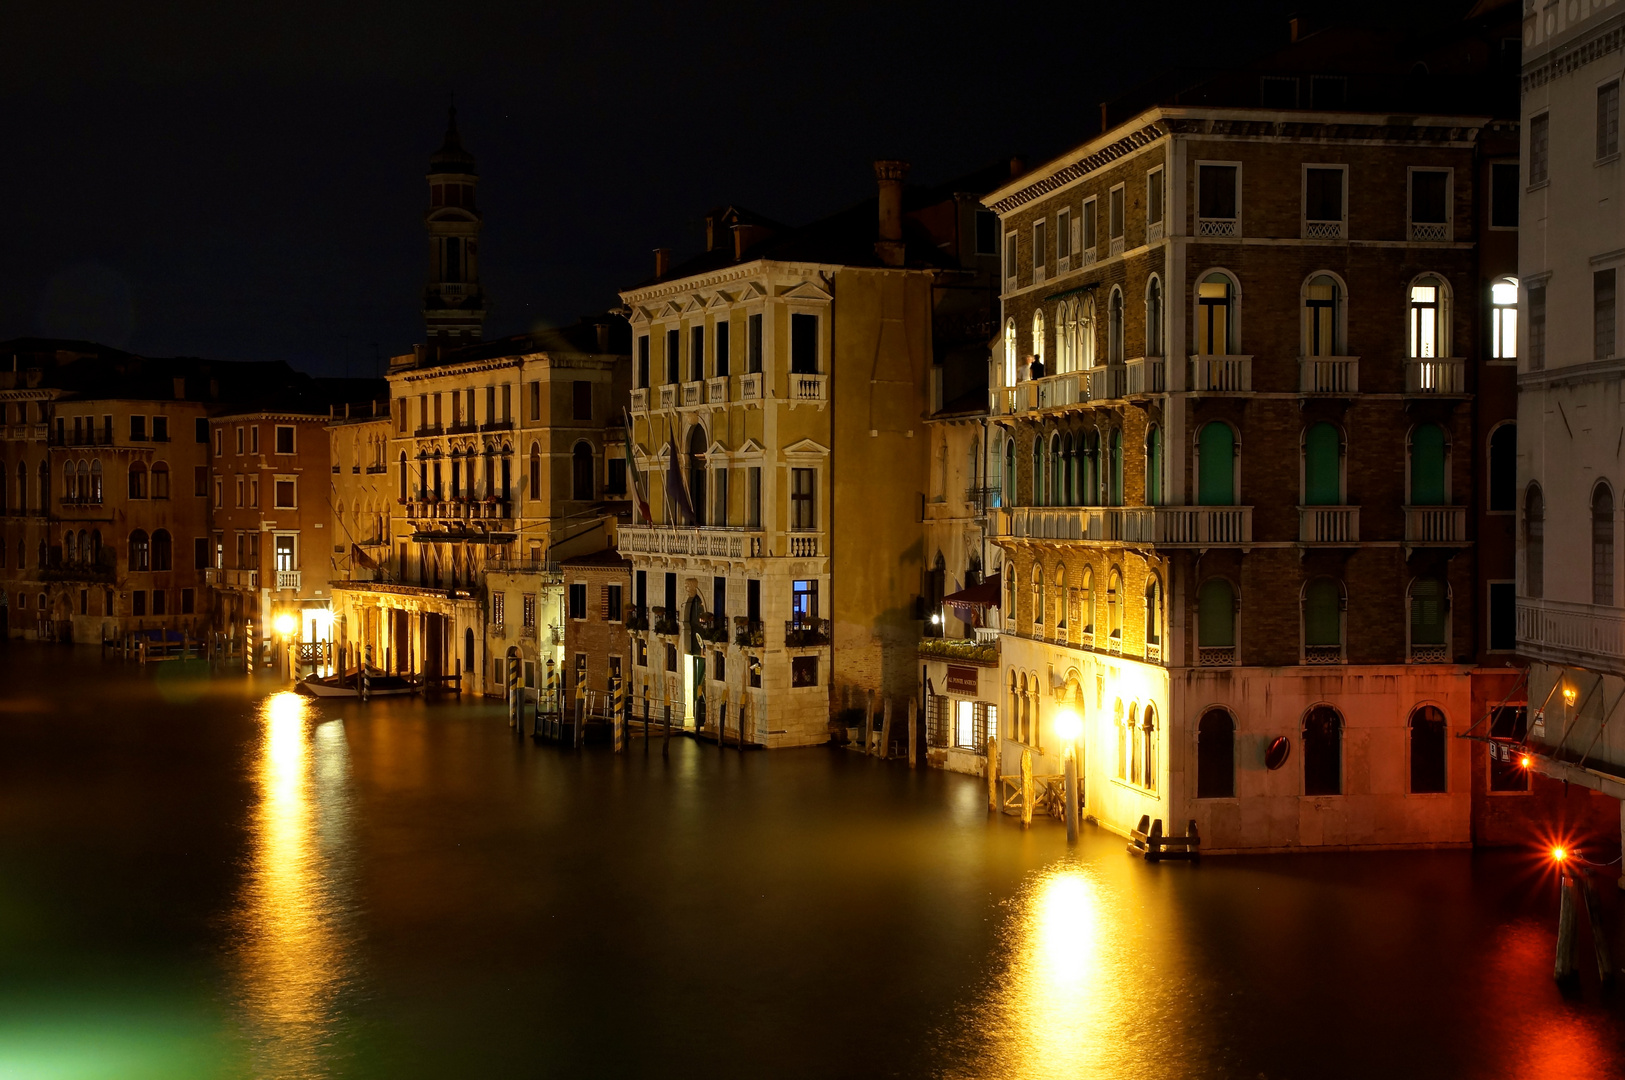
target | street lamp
[
  {"x": 285, "y": 624},
  {"x": 1068, "y": 726}
]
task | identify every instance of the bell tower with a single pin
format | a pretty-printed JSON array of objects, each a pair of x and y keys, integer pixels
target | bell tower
[{"x": 453, "y": 302}]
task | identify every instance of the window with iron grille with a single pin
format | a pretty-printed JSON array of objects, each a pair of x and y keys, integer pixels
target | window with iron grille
[{"x": 529, "y": 610}]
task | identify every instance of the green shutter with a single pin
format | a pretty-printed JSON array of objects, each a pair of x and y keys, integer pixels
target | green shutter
[
  {"x": 1427, "y": 612},
  {"x": 1321, "y": 625},
  {"x": 1320, "y": 466},
  {"x": 1427, "y": 466},
  {"x": 1216, "y": 614},
  {"x": 1153, "y": 468},
  {"x": 1216, "y": 480}
]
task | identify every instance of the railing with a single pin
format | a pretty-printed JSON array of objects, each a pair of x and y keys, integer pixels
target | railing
[
  {"x": 748, "y": 632},
  {"x": 808, "y": 388},
  {"x": 81, "y": 500},
  {"x": 1153, "y": 232},
  {"x": 693, "y": 394},
  {"x": 497, "y": 425},
  {"x": 287, "y": 579},
  {"x": 1114, "y": 247},
  {"x": 668, "y": 396},
  {"x": 726, "y": 541},
  {"x": 1108, "y": 382},
  {"x": 1570, "y": 633},
  {"x": 1430, "y": 654},
  {"x": 1442, "y": 375},
  {"x": 428, "y": 429},
  {"x": 716, "y": 390},
  {"x": 1172, "y": 525},
  {"x": 750, "y": 387},
  {"x": 637, "y": 618},
  {"x": 1231, "y": 374},
  {"x": 1329, "y": 524},
  {"x": 523, "y": 566},
  {"x": 1215, "y": 655},
  {"x": 377, "y": 469},
  {"x": 806, "y": 633},
  {"x": 980, "y": 651},
  {"x": 1435, "y": 524},
  {"x": 804, "y": 545},
  {"x": 663, "y": 621},
  {"x": 1204, "y": 525},
  {"x": 1328, "y": 374},
  {"x": 1323, "y": 230},
  {"x": 640, "y": 400},
  {"x": 1323, "y": 654},
  {"x": 211, "y": 576},
  {"x": 1147, "y": 375},
  {"x": 985, "y": 634},
  {"x": 1430, "y": 232},
  {"x": 1218, "y": 227},
  {"x": 226, "y": 578}
]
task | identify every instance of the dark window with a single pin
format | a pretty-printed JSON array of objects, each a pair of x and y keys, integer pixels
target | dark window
[
  {"x": 722, "y": 349},
  {"x": 1507, "y": 773},
  {"x": 719, "y": 597},
  {"x": 1537, "y": 327},
  {"x": 1428, "y": 742},
  {"x": 138, "y": 429},
  {"x": 673, "y": 343},
  {"x": 987, "y": 232},
  {"x": 1323, "y": 752},
  {"x": 1608, "y": 119},
  {"x": 138, "y": 602},
  {"x": 200, "y": 481},
  {"x": 188, "y": 602},
  {"x": 804, "y": 671},
  {"x": 1602, "y": 546},
  {"x": 578, "y": 601},
  {"x": 640, "y": 588},
  {"x": 753, "y": 600},
  {"x": 200, "y": 552},
  {"x": 284, "y": 439},
  {"x": 1430, "y": 609},
  {"x": 159, "y": 602},
  {"x": 719, "y": 668},
  {"x": 160, "y": 429},
  {"x": 1539, "y": 146},
  {"x": 1504, "y": 468},
  {"x": 616, "y": 483},
  {"x": 1602, "y": 307},
  {"x": 803, "y": 508},
  {"x": 581, "y": 472},
  {"x": 753, "y": 344},
  {"x": 201, "y": 430},
  {"x": 581, "y": 400},
  {"x": 1010, "y": 256},
  {"x": 696, "y": 353},
  {"x": 1153, "y": 198},
  {"x": 1216, "y": 195},
  {"x": 671, "y": 659},
  {"x": 643, "y": 365},
  {"x": 1323, "y": 194},
  {"x": 1278, "y": 92},
  {"x": 671, "y": 595},
  {"x": 1328, "y": 91},
  {"x": 612, "y": 603},
  {"x": 1040, "y": 243},
  {"x": 1503, "y": 616},
  {"x": 1504, "y": 195},
  {"x": 1216, "y": 756},
  {"x": 1428, "y": 194},
  {"x": 804, "y": 344},
  {"x": 1114, "y": 214}
]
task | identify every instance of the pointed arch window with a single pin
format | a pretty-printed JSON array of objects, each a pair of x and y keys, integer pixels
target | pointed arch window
[
  {"x": 1135, "y": 759},
  {"x": 1038, "y": 471},
  {"x": 1060, "y": 602},
  {"x": 1038, "y": 600},
  {"x": 1429, "y": 743},
  {"x": 1215, "y": 316},
  {"x": 1115, "y": 495},
  {"x": 1504, "y": 319},
  {"x": 1086, "y": 597},
  {"x": 1069, "y": 466},
  {"x": 1148, "y": 745},
  {"x": 1038, "y": 369},
  {"x": 1114, "y": 330},
  {"x": 1011, "y": 359},
  {"x": 1153, "y": 317},
  {"x": 1153, "y": 465},
  {"x": 1008, "y": 495},
  {"x": 1216, "y": 755},
  {"x": 1322, "y": 304},
  {"x": 1216, "y": 465},
  {"x": 1427, "y": 465},
  {"x": 535, "y": 471},
  {"x": 1323, "y": 621},
  {"x": 1056, "y": 490},
  {"x": 1066, "y": 337},
  {"x": 1153, "y": 616},
  {"x": 1322, "y": 466},
  {"x": 1122, "y": 739},
  {"x": 1114, "y": 612},
  {"x": 1086, "y": 333},
  {"x": 1602, "y": 546},
  {"x": 1323, "y": 751}
]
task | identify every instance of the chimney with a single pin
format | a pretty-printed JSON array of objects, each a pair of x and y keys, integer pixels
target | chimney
[
  {"x": 662, "y": 261},
  {"x": 889, "y": 176},
  {"x": 1017, "y": 166},
  {"x": 603, "y": 336},
  {"x": 710, "y": 232},
  {"x": 180, "y": 388}
]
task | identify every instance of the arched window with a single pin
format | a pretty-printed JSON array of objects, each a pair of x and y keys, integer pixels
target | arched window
[
  {"x": 1602, "y": 545},
  {"x": 1135, "y": 758},
  {"x": 1069, "y": 468},
  {"x": 1427, "y": 465},
  {"x": 1322, "y": 751},
  {"x": 160, "y": 481},
  {"x": 1430, "y": 614},
  {"x": 1008, "y": 496},
  {"x": 1216, "y": 621},
  {"x": 44, "y": 486},
  {"x": 535, "y": 471},
  {"x": 162, "y": 553},
  {"x": 696, "y": 470},
  {"x": 1215, "y": 316},
  {"x": 1534, "y": 532},
  {"x": 1115, "y": 495},
  {"x": 70, "y": 549},
  {"x": 1060, "y": 602},
  {"x": 22, "y": 494},
  {"x": 1038, "y": 345},
  {"x": 95, "y": 481},
  {"x": 1322, "y": 466},
  {"x": 1114, "y": 327},
  {"x": 1504, "y": 319},
  {"x": 1429, "y": 321},
  {"x": 1216, "y": 756},
  {"x": 1066, "y": 337},
  {"x": 1012, "y": 373},
  {"x": 1153, "y": 613},
  {"x": 403, "y": 478},
  {"x": 1038, "y": 471},
  {"x": 1087, "y": 600},
  {"x": 1148, "y": 744},
  {"x": 1153, "y": 316},
  {"x": 138, "y": 481},
  {"x": 1091, "y": 468},
  {"x": 1503, "y": 470},
  {"x": 1086, "y": 333},
  {"x": 1153, "y": 465},
  {"x": 96, "y": 547},
  {"x": 70, "y": 482},
  {"x": 44, "y": 561},
  {"x": 1038, "y": 600},
  {"x": 140, "y": 551},
  {"x": 1322, "y": 317},
  {"x": 1428, "y": 742},
  {"x": 1216, "y": 465},
  {"x": 1323, "y": 621},
  {"x": 1114, "y": 611},
  {"x": 1122, "y": 739}
]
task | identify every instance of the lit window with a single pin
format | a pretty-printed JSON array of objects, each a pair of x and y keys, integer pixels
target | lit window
[
  {"x": 1504, "y": 317},
  {"x": 1427, "y": 318}
]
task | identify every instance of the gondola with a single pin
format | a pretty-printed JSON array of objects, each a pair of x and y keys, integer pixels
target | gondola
[{"x": 378, "y": 685}]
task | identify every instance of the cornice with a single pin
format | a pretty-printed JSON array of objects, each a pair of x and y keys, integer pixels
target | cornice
[
  {"x": 1107, "y": 154},
  {"x": 1606, "y": 37},
  {"x": 741, "y": 272}
]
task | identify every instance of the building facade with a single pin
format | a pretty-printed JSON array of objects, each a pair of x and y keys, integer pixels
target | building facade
[{"x": 597, "y": 595}]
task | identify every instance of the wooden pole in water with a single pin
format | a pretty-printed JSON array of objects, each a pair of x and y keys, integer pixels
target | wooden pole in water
[
  {"x": 869, "y": 722},
  {"x": 992, "y": 773},
  {"x": 1026, "y": 787},
  {"x": 1070, "y": 789},
  {"x": 913, "y": 722},
  {"x": 884, "y": 749},
  {"x": 1599, "y": 934},
  {"x": 1564, "y": 968}
]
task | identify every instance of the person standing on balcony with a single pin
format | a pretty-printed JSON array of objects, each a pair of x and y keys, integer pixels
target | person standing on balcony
[{"x": 1035, "y": 367}]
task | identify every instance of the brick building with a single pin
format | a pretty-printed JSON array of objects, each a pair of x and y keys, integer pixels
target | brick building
[
  {"x": 1240, "y": 450},
  {"x": 597, "y": 647}
]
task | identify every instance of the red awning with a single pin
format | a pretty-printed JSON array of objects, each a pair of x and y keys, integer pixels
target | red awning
[{"x": 967, "y": 602}]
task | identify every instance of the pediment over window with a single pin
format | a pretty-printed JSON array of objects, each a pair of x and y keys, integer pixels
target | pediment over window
[
  {"x": 805, "y": 447},
  {"x": 695, "y": 305},
  {"x": 750, "y": 446},
  {"x": 753, "y": 290},
  {"x": 720, "y": 299},
  {"x": 672, "y": 309},
  {"x": 806, "y": 290}
]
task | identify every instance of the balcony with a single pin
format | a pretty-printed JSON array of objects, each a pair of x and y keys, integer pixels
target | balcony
[
  {"x": 1216, "y": 656},
  {"x": 637, "y": 618},
  {"x": 808, "y": 389},
  {"x": 497, "y": 425},
  {"x": 1218, "y": 227},
  {"x": 640, "y": 401},
  {"x": 804, "y": 545},
  {"x": 1176, "y": 526},
  {"x": 1222, "y": 374},
  {"x": 668, "y": 396},
  {"x": 693, "y": 394},
  {"x": 750, "y": 387},
  {"x": 1429, "y": 654},
  {"x": 1329, "y": 524},
  {"x": 1560, "y": 632},
  {"x": 424, "y": 430},
  {"x": 716, "y": 390},
  {"x": 287, "y": 579},
  {"x": 1328, "y": 374},
  {"x": 1153, "y": 232},
  {"x": 748, "y": 632},
  {"x": 1114, "y": 247},
  {"x": 1146, "y": 375},
  {"x": 1323, "y": 230},
  {"x": 223, "y": 578},
  {"x": 1430, "y": 232},
  {"x": 1442, "y": 375},
  {"x": 806, "y": 633},
  {"x": 728, "y": 542},
  {"x": 978, "y": 651},
  {"x": 1436, "y": 525},
  {"x": 1322, "y": 654},
  {"x": 663, "y": 621},
  {"x": 1107, "y": 382}
]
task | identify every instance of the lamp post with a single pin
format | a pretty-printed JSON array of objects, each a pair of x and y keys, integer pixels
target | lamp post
[
  {"x": 1067, "y": 728},
  {"x": 285, "y": 624}
]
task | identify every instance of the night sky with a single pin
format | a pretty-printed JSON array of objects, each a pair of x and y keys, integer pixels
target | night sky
[{"x": 247, "y": 182}]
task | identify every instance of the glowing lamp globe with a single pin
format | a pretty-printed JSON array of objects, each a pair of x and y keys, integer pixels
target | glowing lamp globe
[
  {"x": 285, "y": 624},
  {"x": 1067, "y": 726}
]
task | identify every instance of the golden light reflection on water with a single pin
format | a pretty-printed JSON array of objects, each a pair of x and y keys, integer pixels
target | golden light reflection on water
[{"x": 295, "y": 953}]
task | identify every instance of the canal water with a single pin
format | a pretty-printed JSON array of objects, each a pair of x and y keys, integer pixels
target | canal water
[{"x": 211, "y": 878}]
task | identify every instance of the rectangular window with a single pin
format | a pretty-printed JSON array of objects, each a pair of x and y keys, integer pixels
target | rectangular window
[
  {"x": 803, "y": 483},
  {"x": 721, "y": 347},
  {"x": 284, "y": 438},
  {"x": 507, "y": 402},
  {"x": 642, "y": 372},
  {"x": 1509, "y": 724},
  {"x": 1009, "y": 261},
  {"x": 499, "y": 608},
  {"x": 987, "y": 232},
  {"x": 671, "y": 595},
  {"x": 1430, "y": 204},
  {"x": 160, "y": 605},
  {"x": 804, "y": 344},
  {"x": 1504, "y": 195},
  {"x": 719, "y": 500},
  {"x": 1503, "y": 629},
  {"x": 200, "y": 480},
  {"x": 671, "y": 659},
  {"x": 285, "y": 493},
  {"x": 1063, "y": 236},
  {"x": 218, "y": 451},
  {"x": 528, "y": 609},
  {"x": 200, "y": 552},
  {"x": 804, "y": 602},
  {"x": 719, "y": 667},
  {"x": 1217, "y": 200},
  {"x": 1537, "y": 327},
  {"x": 160, "y": 429},
  {"x": 138, "y": 602},
  {"x": 1608, "y": 120},
  {"x": 1153, "y": 198},
  {"x": 804, "y": 671},
  {"x": 673, "y": 343},
  {"x": 1323, "y": 201},
  {"x": 286, "y": 559},
  {"x": 753, "y": 496},
  {"x": 1091, "y": 227},
  {"x": 200, "y": 430},
  {"x": 253, "y": 491},
  {"x": 696, "y": 353},
  {"x": 615, "y": 483},
  {"x": 242, "y": 489},
  {"x": 188, "y": 602},
  {"x": 1539, "y": 148},
  {"x": 578, "y": 600},
  {"x": 1115, "y": 213},
  {"x": 400, "y": 415},
  {"x": 138, "y": 429},
  {"x": 218, "y": 494},
  {"x": 753, "y": 344},
  {"x": 581, "y": 400},
  {"x": 612, "y": 603},
  {"x": 1602, "y": 317},
  {"x": 1040, "y": 246},
  {"x": 254, "y": 439},
  {"x": 719, "y": 597}
]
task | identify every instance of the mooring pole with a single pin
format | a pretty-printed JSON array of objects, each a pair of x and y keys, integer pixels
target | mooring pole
[
  {"x": 1599, "y": 934},
  {"x": 1564, "y": 968},
  {"x": 1070, "y": 792},
  {"x": 913, "y": 722},
  {"x": 884, "y": 749}
]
